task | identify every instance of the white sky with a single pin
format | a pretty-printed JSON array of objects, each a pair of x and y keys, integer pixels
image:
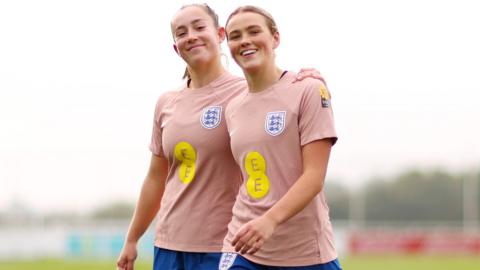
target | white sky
[{"x": 79, "y": 81}]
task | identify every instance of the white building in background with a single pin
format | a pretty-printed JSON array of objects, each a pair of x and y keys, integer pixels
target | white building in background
[{"x": 99, "y": 240}]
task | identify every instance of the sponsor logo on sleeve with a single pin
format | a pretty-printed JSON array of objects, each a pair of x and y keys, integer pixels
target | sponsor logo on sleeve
[{"x": 325, "y": 96}]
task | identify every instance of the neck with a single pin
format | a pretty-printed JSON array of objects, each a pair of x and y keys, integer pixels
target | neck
[
  {"x": 203, "y": 75},
  {"x": 262, "y": 79}
]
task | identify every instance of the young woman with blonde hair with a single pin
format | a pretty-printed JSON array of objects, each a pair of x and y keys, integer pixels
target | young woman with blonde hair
[{"x": 281, "y": 134}]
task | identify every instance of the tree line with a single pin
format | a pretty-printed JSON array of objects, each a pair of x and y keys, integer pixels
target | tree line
[{"x": 413, "y": 195}]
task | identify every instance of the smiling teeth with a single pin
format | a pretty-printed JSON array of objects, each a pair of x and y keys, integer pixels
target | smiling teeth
[{"x": 247, "y": 52}]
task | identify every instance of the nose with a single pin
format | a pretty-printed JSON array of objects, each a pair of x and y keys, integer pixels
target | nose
[
  {"x": 244, "y": 41},
  {"x": 191, "y": 37}
]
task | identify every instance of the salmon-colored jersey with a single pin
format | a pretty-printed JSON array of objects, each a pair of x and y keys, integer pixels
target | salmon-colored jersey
[
  {"x": 267, "y": 131},
  {"x": 203, "y": 180}
]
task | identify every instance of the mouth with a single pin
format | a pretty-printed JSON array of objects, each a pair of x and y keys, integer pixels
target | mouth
[
  {"x": 248, "y": 52},
  {"x": 195, "y": 46}
]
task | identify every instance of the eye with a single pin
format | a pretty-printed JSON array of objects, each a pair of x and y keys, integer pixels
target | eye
[
  {"x": 180, "y": 34},
  {"x": 234, "y": 36},
  {"x": 200, "y": 28},
  {"x": 254, "y": 32}
]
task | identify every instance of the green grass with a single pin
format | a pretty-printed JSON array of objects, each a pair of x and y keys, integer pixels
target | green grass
[
  {"x": 394, "y": 262},
  {"x": 59, "y": 264},
  {"x": 350, "y": 263}
]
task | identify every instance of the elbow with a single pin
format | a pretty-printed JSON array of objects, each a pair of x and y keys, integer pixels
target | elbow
[
  {"x": 317, "y": 180},
  {"x": 318, "y": 187}
]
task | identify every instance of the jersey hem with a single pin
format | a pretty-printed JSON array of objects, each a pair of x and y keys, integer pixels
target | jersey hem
[
  {"x": 290, "y": 263},
  {"x": 188, "y": 248}
]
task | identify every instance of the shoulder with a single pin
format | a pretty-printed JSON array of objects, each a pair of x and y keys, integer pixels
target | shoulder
[
  {"x": 310, "y": 87},
  {"x": 166, "y": 97},
  {"x": 231, "y": 85},
  {"x": 307, "y": 83}
]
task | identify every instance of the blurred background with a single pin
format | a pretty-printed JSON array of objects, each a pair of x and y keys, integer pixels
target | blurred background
[{"x": 79, "y": 82}]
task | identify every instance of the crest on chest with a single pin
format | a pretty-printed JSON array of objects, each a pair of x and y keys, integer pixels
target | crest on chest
[
  {"x": 275, "y": 122},
  {"x": 211, "y": 117}
]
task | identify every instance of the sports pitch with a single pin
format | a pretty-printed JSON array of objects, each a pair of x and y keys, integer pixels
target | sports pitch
[{"x": 349, "y": 263}]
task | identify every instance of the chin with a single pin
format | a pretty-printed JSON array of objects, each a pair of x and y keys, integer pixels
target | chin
[
  {"x": 200, "y": 59},
  {"x": 250, "y": 68}
]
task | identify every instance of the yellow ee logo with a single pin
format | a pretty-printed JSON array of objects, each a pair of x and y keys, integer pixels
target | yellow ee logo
[
  {"x": 258, "y": 183},
  {"x": 325, "y": 96},
  {"x": 186, "y": 154},
  {"x": 324, "y": 92}
]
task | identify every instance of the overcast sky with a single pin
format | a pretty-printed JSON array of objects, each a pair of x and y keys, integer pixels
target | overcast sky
[{"x": 79, "y": 81}]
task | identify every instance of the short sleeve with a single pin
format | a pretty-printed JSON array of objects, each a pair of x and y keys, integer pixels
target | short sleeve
[
  {"x": 156, "y": 139},
  {"x": 316, "y": 115}
]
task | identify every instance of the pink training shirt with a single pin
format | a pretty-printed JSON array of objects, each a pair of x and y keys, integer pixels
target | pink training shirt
[
  {"x": 190, "y": 131},
  {"x": 267, "y": 131}
]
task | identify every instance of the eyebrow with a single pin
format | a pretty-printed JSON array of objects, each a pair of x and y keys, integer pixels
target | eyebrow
[
  {"x": 250, "y": 27},
  {"x": 253, "y": 26},
  {"x": 192, "y": 22}
]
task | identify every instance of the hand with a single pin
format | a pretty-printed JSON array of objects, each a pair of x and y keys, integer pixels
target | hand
[
  {"x": 127, "y": 257},
  {"x": 252, "y": 235},
  {"x": 309, "y": 73}
]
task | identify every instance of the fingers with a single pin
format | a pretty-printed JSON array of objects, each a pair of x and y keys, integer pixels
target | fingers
[
  {"x": 248, "y": 242},
  {"x": 121, "y": 264},
  {"x": 252, "y": 246},
  {"x": 313, "y": 74},
  {"x": 130, "y": 265},
  {"x": 237, "y": 237},
  {"x": 257, "y": 245},
  {"x": 243, "y": 241},
  {"x": 248, "y": 245},
  {"x": 306, "y": 69},
  {"x": 125, "y": 264},
  {"x": 303, "y": 73},
  {"x": 298, "y": 78}
]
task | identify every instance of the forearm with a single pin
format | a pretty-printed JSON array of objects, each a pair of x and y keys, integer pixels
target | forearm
[
  {"x": 146, "y": 209},
  {"x": 298, "y": 197},
  {"x": 315, "y": 161},
  {"x": 251, "y": 236}
]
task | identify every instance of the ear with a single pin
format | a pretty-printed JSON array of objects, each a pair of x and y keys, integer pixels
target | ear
[
  {"x": 276, "y": 40},
  {"x": 221, "y": 34},
  {"x": 175, "y": 48}
]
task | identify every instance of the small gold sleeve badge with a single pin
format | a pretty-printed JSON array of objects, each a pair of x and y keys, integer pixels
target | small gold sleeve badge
[{"x": 325, "y": 96}]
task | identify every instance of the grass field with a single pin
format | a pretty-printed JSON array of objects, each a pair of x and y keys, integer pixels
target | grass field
[
  {"x": 411, "y": 263},
  {"x": 350, "y": 263}
]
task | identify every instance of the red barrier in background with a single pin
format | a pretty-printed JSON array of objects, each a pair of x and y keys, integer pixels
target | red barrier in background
[{"x": 405, "y": 242}]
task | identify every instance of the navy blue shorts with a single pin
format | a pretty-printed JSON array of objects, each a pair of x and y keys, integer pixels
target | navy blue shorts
[
  {"x": 233, "y": 261},
  {"x": 165, "y": 259}
]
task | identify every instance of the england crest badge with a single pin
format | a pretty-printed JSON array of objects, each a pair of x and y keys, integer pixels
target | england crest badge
[
  {"x": 211, "y": 117},
  {"x": 275, "y": 122},
  {"x": 227, "y": 260}
]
